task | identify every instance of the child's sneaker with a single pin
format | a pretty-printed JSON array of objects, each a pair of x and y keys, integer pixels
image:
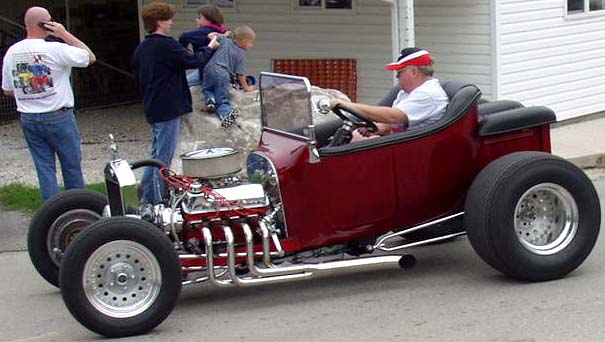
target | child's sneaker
[
  {"x": 226, "y": 122},
  {"x": 234, "y": 113},
  {"x": 210, "y": 106},
  {"x": 229, "y": 119}
]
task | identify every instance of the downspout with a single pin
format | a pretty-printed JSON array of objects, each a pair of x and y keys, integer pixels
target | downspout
[
  {"x": 410, "y": 32},
  {"x": 495, "y": 49},
  {"x": 402, "y": 35},
  {"x": 395, "y": 33}
]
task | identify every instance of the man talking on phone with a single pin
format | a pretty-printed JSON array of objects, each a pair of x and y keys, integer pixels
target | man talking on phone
[{"x": 36, "y": 73}]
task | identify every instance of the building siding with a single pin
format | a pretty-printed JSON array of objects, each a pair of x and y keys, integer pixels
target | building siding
[
  {"x": 551, "y": 60},
  {"x": 282, "y": 32},
  {"x": 458, "y": 35}
]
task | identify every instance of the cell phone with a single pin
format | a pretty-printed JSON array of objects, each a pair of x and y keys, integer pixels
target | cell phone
[{"x": 42, "y": 23}]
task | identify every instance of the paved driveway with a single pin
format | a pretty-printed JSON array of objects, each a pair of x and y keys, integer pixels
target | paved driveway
[{"x": 451, "y": 295}]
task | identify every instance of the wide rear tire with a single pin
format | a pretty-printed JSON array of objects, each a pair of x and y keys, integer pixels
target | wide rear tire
[
  {"x": 121, "y": 277},
  {"x": 532, "y": 216},
  {"x": 55, "y": 225}
]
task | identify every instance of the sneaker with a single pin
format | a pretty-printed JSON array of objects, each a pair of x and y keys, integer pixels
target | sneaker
[
  {"x": 229, "y": 119},
  {"x": 226, "y": 122},
  {"x": 210, "y": 106}
]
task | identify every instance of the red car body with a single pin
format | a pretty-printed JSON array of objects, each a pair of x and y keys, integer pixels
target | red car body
[{"x": 363, "y": 193}]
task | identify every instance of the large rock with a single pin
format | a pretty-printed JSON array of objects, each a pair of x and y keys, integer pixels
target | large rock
[{"x": 203, "y": 130}]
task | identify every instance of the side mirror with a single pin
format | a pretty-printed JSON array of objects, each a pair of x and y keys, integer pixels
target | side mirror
[{"x": 323, "y": 105}]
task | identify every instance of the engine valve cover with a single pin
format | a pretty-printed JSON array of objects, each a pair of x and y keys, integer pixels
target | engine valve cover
[{"x": 225, "y": 199}]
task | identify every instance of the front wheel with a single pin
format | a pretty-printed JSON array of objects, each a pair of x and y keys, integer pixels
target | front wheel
[
  {"x": 121, "y": 277},
  {"x": 532, "y": 216}
]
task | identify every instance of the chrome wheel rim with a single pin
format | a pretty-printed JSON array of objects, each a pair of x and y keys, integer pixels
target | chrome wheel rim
[
  {"x": 122, "y": 279},
  {"x": 64, "y": 229},
  {"x": 546, "y": 219}
]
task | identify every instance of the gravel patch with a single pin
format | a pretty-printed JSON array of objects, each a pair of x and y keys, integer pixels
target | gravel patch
[
  {"x": 131, "y": 132},
  {"x": 127, "y": 123}
]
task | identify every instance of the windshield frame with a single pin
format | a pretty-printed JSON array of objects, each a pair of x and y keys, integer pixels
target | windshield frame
[{"x": 306, "y": 133}]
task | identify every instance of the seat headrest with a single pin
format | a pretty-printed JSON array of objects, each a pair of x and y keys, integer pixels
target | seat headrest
[
  {"x": 464, "y": 97},
  {"x": 451, "y": 88}
]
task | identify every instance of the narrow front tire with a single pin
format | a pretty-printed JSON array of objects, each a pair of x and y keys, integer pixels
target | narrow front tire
[{"x": 121, "y": 277}]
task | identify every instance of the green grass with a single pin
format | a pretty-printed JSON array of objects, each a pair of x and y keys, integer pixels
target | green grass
[{"x": 27, "y": 199}]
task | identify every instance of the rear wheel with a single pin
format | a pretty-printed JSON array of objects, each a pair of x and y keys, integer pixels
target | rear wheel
[
  {"x": 532, "y": 216},
  {"x": 121, "y": 277},
  {"x": 56, "y": 224}
]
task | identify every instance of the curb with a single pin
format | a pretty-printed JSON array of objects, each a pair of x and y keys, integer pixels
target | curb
[{"x": 590, "y": 161}]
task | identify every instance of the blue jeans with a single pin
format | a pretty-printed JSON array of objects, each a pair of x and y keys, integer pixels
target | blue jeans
[
  {"x": 51, "y": 134},
  {"x": 216, "y": 86},
  {"x": 164, "y": 137},
  {"x": 193, "y": 78}
]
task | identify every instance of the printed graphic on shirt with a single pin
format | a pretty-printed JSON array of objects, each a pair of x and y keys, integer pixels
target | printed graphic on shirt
[{"x": 32, "y": 79}]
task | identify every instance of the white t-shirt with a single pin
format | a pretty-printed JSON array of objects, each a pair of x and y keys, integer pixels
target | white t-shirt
[
  {"x": 38, "y": 73},
  {"x": 424, "y": 105}
]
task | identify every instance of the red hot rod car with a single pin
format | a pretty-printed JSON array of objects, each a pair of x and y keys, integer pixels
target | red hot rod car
[{"x": 314, "y": 202}]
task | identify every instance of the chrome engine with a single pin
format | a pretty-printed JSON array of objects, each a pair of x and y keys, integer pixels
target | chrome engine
[{"x": 197, "y": 203}]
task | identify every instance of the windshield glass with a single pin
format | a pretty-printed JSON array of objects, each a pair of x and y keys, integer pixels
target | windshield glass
[{"x": 285, "y": 102}]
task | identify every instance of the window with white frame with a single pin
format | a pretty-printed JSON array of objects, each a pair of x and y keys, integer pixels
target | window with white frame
[
  {"x": 217, "y": 3},
  {"x": 584, "y": 6},
  {"x": 324, "y": 4}
]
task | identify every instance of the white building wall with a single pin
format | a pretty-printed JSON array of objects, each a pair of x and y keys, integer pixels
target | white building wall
[
  {"x": 458, "y": 35},
  {"x": 283, "y": 32},
  {"x": 552, "y": 60}
]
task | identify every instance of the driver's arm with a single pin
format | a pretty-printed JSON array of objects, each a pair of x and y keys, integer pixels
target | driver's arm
[{"x": 381, "y": 114}]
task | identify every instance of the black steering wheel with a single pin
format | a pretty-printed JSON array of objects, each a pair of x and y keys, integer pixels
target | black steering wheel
[{"x": 361, "y": 120}]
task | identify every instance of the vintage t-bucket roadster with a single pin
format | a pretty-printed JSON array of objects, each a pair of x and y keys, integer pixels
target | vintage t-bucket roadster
[{"x": 314, "y": 202}]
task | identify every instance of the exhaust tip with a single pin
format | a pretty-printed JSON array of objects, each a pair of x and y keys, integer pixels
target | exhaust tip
[{"x": 407, "y": 261}]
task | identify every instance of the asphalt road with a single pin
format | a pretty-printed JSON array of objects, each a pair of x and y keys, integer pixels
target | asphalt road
[{"x": 451, "y": 295}]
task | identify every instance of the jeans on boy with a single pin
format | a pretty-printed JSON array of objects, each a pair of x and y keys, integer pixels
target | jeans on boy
[
  {"x": 216, "y": 85},
  {"x": 50, "y": 134},
  {"x": 164, "y": 139}
]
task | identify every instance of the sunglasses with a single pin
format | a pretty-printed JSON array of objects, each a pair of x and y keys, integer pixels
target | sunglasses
[{"x": 399, "y": 72}]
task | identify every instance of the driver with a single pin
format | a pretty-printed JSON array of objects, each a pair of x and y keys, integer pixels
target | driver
[{"x": 420, "y": 102}]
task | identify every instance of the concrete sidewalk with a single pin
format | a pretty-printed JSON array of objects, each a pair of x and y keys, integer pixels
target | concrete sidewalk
[
  {"x": 13, "y": 231},
  {"x": 582, "y": 141}
]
